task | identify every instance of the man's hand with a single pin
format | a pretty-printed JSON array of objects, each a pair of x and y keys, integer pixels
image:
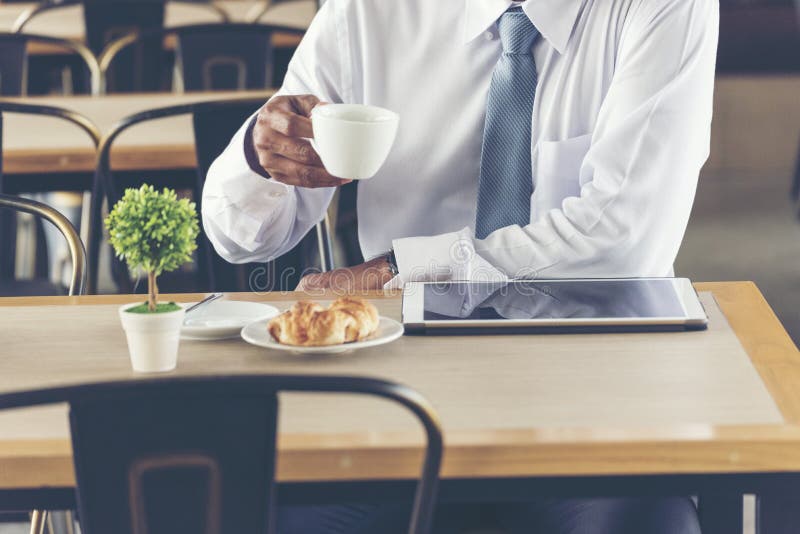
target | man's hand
[
  {"x": 370, "y": 275},
  {"x": 280, "y": 147}
]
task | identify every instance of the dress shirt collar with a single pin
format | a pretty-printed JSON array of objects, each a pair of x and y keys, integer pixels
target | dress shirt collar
[{"x": 554, "y": 19}]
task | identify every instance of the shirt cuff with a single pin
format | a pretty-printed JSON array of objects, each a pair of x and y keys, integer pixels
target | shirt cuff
[
  {"x": 249, "y": 148},
  {"x": 243, "y": 203},
  {"x": 449, "y": 256}
]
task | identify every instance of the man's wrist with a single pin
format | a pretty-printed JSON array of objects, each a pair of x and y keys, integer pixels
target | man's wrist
[
  {"x": 250, "y": 150},
  {"x": 391, "y": 261}
]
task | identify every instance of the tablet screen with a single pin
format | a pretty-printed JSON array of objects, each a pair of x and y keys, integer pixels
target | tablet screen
[{"x": 552, "y": 299}]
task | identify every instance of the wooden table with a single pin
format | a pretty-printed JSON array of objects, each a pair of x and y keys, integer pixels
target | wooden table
[
  {"x": 35, "y": 145},
  {"x": 67, "y": 23},
  {"x": 523, "y": 415}
]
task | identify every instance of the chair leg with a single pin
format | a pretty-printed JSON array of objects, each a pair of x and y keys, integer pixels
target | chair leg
[
  {"x": 69, "y": 518},
  {"x": 324, "y": 244},
  {"x": 38, "y": 521}
]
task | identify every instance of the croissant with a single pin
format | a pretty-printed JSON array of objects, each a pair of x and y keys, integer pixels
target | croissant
[{"x": 348, "y": 319}]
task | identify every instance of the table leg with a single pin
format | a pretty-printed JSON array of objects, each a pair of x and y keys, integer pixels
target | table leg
[{"x": 721, "y": 513}]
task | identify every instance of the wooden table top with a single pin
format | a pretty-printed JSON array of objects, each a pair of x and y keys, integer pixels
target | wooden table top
[
  {"x": 67, "y": 23},
  {"x": 510, "y": 405},
  {"x": 33, "y": 144}
]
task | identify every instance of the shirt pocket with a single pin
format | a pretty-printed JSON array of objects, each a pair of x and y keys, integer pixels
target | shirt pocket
[{"x": 558, "y": 172}]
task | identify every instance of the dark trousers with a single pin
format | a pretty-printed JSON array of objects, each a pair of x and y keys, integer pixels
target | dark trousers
[{"x": 547, "y": 516}]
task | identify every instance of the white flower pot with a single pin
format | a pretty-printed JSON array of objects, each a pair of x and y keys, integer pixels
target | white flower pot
[{"x": 152, "y": 338}]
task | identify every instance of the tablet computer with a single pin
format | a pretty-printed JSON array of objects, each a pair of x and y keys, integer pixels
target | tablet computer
[{"x": 557, "y": 306}]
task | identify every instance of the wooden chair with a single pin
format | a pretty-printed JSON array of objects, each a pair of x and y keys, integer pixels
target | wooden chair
[
  {"x": 14, "y": 62},
  {"x": 208, "y": 57},
  {"x": 191, "y": 455},
  {"x": 215, "y": 122},
  {"x": 8, "y": 220}
]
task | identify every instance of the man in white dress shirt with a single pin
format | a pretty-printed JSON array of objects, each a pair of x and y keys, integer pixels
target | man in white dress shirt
[
  {"x": 620, "y": 129},
  {"x": 616, "y": 129}
]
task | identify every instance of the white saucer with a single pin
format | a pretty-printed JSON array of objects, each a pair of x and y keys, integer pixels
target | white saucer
[
  {"x": 388, "y": 330},
  {"x": 223, "y": 319}
]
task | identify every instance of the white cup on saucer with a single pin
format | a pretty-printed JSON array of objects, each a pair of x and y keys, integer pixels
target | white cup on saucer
[{"x": 353, "y": 140}]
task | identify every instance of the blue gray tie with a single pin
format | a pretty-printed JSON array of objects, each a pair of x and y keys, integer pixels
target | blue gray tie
[{"x": 506, "y": 182}]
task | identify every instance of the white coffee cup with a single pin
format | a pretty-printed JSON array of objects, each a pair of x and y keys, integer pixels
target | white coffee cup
[{"x": 353, "y": 140}]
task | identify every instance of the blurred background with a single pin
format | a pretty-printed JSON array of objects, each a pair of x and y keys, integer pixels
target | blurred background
[
  {"x": 745, "y": 224},
  {"x": 108, "y": 61}
]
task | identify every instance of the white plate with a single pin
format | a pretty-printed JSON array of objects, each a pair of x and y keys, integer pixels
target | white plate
[
  {"x": 224, "y": 319},
  {"x": 257, "y": 334}
]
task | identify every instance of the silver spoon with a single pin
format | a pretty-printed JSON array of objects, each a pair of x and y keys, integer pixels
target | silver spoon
[{"x": 211, "y": 298}]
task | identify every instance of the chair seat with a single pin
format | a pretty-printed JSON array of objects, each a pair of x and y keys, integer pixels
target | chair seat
[{"x": 29, "y": 288}]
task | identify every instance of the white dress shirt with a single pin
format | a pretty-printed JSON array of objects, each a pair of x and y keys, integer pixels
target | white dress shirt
[{"x": 621, "y": 127}]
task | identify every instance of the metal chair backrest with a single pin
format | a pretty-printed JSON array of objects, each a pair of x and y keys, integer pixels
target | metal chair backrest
[
  {"x": 77, "y": 251},
  {"x": 107, "y": 20},
  {"x": 215, "y": 122},
  {"x": 7, "y": 222},
  {"x": 198, "y": 454},
  {"x": 14, "y": 61},
  {"x": 208, "y": 57}
]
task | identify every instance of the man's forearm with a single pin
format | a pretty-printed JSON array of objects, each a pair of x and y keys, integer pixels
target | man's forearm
[{"x": 239, "y": 204}]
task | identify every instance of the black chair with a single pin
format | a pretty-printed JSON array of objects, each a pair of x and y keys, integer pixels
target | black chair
[
  {"x": 106, "y": 20},
  {"x": 215, "y": 122},
  {"x": 232, "y": 56},
  {"x": 77, "y": 251},
  {"x": 192, "y": 455},
  {"x": 32, "y": 184},
  {"x": 14, "y": 62}
]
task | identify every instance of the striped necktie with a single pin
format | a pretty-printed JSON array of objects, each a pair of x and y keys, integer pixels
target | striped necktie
[{"x": 506, "y": 181}]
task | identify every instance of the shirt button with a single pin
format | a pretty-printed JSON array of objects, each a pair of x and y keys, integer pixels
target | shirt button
[
  {"x": 276, "y": 194},
  {"x": 488, "y": 36}
]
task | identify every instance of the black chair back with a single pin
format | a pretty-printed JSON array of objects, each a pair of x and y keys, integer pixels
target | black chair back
[
  {"x": 225, "y": 57},
  {"x": 13, "y": 59},
  {"x": 106, "y": 20},
  {"x": 176, "y": 459},
  {"x": 197, "y": 455},
  {"x": 14, "y": 63},
  {"x": 8, "y": 232},
  {"x": 139, "y": 69},
  {"x": 208, "y": 57},
  {"x": 215, "y": 123},
  {"x": 76, "y": 248}
]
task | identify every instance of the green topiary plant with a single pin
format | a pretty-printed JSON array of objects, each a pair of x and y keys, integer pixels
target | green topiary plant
[{"x": 153, "y": 231}]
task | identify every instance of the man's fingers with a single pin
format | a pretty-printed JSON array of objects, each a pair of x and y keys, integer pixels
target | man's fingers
[
  {"x": 303, "y": 104},
  {"x": 278, "y": 138},
  {"x": 293, "y": 173},
  {"x": 313, "y": 282},
  {"x": 300, "y": 150},
  {"x": 289, "y": 115},
  {"x": 300, "y": 104},
  {"x": 286, "y": 122}
]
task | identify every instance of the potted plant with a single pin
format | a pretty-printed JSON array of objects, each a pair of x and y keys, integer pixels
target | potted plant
[{"x": 153, "y": 232}]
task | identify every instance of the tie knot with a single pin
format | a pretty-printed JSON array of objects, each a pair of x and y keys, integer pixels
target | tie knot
[{"x": 517, "y": 32}]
